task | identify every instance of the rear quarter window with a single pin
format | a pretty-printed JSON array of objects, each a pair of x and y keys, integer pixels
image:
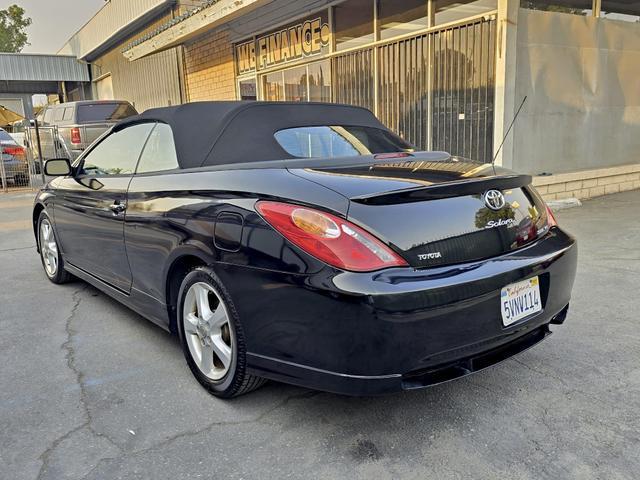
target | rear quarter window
[
  {"x": 104, "y": 112},
  {"x": 58, "y": 114}
]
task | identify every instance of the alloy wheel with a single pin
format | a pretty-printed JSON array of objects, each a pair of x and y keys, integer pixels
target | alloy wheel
[
  {"x": 48, "y": 248},
  {"x": 208, "y": 331}
]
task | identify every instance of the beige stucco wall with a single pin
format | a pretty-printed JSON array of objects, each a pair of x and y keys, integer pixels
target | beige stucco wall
[{"x": 582, "y": 79}]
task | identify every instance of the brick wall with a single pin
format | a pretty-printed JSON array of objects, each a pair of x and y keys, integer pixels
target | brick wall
[
  {"x": 589, "y": 183},
  {"x": 209, "y": 70}
]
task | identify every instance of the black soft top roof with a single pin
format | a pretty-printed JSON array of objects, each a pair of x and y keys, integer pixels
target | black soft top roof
[{"x": 219, "y": 133}]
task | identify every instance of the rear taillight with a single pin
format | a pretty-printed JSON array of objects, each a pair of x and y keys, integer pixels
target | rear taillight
[
  {"x": 329, "y": 238},
  {"x": 13, "y": 151},
  {"x": 75, "y": 135},
  {"x": 551, "y": 219}
]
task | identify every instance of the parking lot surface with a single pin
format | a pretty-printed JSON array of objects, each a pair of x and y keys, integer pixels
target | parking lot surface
[{"x": 91, "y": 390}]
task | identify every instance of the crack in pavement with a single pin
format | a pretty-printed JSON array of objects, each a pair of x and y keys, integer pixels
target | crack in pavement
[
  {"x": 190, "y": 433},
  {"x": 51, "y": 448},
  {"x": 569, "y": 388},
  {"x": 71, "y": 365},
  {"x": 550, "y": 453},
  {"x": 80, "y": 380},
  {"x": 17, "y": 248}
]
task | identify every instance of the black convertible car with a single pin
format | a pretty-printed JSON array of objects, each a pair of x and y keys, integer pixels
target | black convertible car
[{"x": 307, "y": 243}]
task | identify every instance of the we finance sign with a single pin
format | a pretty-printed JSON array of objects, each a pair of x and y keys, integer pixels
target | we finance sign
[{"x": 304, "y": 39}]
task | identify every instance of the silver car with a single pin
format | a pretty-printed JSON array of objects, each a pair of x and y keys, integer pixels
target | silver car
[
  {"x": 68, "y": 128},
  {"x": 14, "y": 168}
]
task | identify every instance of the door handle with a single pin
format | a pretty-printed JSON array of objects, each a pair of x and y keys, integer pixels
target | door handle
[{"x": 118, "y": 207}]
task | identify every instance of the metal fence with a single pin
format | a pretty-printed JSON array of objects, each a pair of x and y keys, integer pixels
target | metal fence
[
  {"x": 14, "y": 171},
  {"x": 463, "y": 60},
  {"x": 21, "y": 165},
  {"x": 18, "y": 170},
  {"x": 435, "y": 89},
  {"x": 353, "y": 81}
]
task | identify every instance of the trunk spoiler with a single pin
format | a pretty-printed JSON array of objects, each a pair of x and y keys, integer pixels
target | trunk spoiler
[{"x": 456, "y": 188}]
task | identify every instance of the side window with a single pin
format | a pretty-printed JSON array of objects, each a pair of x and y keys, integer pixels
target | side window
[
  {"x": 57, "y": 114},
  {"x": 118, "y": 153},
  {"x": 159, "y": 152},
  {"x": 68, "y": 114},
  {"x": 47, "y": 115}
]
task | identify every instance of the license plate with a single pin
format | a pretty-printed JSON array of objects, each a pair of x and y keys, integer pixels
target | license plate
[{"x": 520, "y": 300}]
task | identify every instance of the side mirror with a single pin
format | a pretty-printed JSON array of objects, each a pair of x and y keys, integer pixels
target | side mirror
[{"x": 57, "y": 167}]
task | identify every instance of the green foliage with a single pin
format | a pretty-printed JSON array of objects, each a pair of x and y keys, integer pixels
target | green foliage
[{"x": 13, "y": 24}]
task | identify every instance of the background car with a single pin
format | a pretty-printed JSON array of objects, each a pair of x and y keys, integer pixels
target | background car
[
  {"x": 14, "y": 161},
  {"x": 68, "y": 128}
]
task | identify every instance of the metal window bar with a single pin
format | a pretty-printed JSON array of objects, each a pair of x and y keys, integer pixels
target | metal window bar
[{"x": 435, "y": 89}]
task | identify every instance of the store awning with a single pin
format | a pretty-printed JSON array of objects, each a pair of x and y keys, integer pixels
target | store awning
[{"x": 189, "y": 25}]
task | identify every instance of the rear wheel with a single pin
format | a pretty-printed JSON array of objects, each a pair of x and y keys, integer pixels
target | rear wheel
[
  {"x": 49, "y": 251},
  {"x": 211, "y": 336}
]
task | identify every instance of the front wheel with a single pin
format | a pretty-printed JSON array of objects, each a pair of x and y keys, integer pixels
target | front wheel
[
  {"x": 211, "y": 336},
  {"x": 49, "y": 251}
]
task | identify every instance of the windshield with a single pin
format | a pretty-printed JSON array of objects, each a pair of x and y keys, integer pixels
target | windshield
[
  {"x": 338, "y": 141},
  {"x": 104, "y": 112}
]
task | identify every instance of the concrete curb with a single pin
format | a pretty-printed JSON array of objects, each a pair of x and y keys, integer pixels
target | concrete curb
[{"x": 563, "y": 204}]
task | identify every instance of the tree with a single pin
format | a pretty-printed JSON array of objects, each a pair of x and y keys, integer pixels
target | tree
[{"x": 13, "y": 24}]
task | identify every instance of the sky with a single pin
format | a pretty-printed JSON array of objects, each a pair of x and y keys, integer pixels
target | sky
[{"x": 54, "y": 21}]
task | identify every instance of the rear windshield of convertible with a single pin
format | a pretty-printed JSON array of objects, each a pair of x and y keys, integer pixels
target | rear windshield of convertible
[{"x": 338, "y": 141}]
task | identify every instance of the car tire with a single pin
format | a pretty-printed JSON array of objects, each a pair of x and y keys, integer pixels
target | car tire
[
  {"x": 50, "y": 255},
  {"x": 211, "y": 335}
]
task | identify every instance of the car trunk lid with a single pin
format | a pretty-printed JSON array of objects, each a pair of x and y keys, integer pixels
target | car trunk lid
[{"x": 437, "y": 212}]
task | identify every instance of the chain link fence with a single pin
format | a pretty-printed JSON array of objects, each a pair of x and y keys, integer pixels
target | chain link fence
[
  {"x": 21, "y": 165},
  {"x": 14, "y": 167}
]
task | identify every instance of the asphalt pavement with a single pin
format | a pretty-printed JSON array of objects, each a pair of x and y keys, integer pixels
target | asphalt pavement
[{"x": 89, "y": 389}]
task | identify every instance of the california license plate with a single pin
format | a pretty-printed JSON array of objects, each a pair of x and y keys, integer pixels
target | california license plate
[{"x": 520, "y": 300}]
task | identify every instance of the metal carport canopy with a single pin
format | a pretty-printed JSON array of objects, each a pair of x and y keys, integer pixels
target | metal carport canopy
[
  {"x": 27, "y": 67},
  {"x": 35, "y": 73}
]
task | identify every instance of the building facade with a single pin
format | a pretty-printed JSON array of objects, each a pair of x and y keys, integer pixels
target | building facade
[
  {"x": 446, "y": 75},
  {"x": 152, "y": 82}
]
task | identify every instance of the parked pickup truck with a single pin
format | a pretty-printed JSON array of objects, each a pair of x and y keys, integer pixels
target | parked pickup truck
[{"x": 67, "y": 129}]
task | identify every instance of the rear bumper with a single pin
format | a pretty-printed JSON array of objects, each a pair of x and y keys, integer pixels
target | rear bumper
[
  {"x": 382, "y": 384},
  {"x": 398, "y": 329}
]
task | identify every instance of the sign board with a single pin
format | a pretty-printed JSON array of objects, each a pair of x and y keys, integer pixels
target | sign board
[{"x": 302, "y": 39}]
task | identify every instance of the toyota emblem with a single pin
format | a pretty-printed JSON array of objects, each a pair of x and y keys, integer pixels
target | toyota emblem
[{"x": 494, "y": 199}]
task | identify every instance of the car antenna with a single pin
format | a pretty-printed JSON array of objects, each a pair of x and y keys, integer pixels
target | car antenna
[{"x": 508, "y": 130}]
